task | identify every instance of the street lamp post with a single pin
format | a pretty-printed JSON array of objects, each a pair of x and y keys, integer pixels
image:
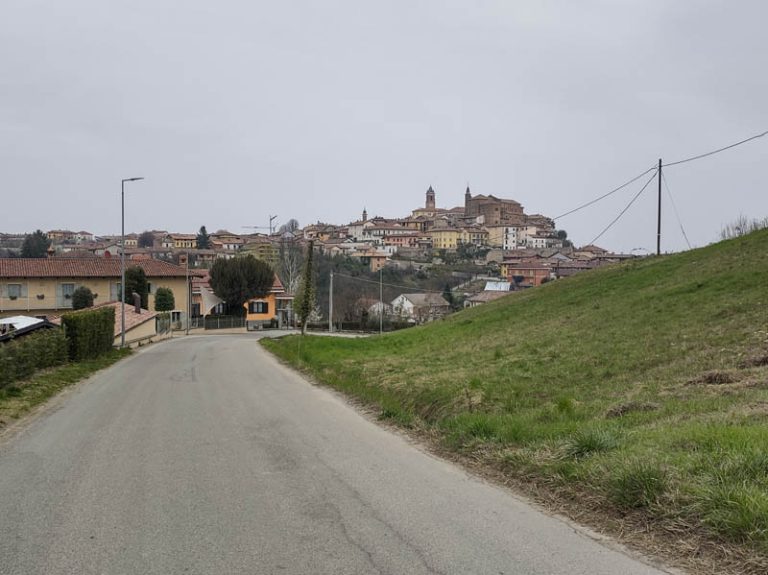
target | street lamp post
[{"x": 122, "y": 258}]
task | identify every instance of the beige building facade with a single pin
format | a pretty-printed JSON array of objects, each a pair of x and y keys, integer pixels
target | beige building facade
[{"x": 44, "y": 286}]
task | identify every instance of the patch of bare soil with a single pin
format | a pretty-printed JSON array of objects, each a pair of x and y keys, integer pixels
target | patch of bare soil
[
  {"x": 759, "y": 360},
  {"x": 715, "y": 377},
  {"x": 756, "y": 410},
  {"x": 631, "y": 407}
]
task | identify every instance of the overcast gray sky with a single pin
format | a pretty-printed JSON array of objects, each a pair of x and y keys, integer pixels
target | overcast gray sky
[{"x": 235, "y": 110}]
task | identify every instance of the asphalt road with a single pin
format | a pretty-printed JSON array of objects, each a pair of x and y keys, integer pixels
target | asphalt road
[{"x": 203, "y": 455}]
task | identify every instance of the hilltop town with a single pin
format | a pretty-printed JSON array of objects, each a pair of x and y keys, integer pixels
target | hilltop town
[
  {"x": 489, "y": 239},
  {"x": 489, "y": 229}
]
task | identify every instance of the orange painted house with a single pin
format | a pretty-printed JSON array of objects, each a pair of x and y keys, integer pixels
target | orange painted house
[
  {"x": 274, "y": 309},
  {"x": 530, "y": 273}
]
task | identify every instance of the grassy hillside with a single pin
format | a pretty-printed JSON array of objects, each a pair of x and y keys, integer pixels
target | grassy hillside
[{"x": 641, "y": 388}]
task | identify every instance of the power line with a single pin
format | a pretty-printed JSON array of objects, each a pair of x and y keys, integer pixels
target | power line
[
  {"x": 621, "y": 187},
  {"x": 674, "y": 208},
  {"x": 336, "y": 274},
  {"x": 632, "y": 201},
  {"x": 713, "y": 152},
  {"x": 633, "y": 180}
]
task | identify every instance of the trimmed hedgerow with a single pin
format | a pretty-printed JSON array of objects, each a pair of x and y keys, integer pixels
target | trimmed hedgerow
[
  {"x": 89, "y": 333},
  {"x": 22, "y": 357}
]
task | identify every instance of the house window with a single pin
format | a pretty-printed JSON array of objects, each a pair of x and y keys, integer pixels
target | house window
[
  {"x": 14, "y": 291},
  {"x": 258, "y": 307},
  {"x": 67, "y": 290}
]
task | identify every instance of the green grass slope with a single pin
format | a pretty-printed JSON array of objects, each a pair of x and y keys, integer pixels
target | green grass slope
[{"x": 642, "y": 388}]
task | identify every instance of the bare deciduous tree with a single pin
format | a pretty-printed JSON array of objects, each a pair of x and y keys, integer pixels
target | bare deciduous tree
[
  {"x": 291, "y": 226},
  {"x": 290, "y": 262},
  {"x": 742, "y": 226}
]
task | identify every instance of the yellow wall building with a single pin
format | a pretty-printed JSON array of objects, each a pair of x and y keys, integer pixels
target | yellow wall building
[
  {"x": 275, "y": 306},
  {"x": 445, "y": 238},
  {"x": 44, "y": 286},
  {"x": 262, "y": 249}
]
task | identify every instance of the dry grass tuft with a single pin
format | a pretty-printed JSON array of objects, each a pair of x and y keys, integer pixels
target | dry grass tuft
[
  {"x": 757, "y": 410},
  {"x": 714, "y": 377},
  {"x": 631, "y": 407},
  {"x": 755, "y": 361}
]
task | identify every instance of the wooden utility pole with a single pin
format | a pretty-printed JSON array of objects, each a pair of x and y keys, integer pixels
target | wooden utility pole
[
  {"x": 381, "y": 301},
  {"x": 658, "y": 223}
]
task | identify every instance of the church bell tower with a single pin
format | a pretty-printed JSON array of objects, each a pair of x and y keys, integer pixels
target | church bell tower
[{"x": 430, "y": 205}]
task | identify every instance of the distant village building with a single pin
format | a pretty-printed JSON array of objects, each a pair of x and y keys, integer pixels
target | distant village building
[
  {"x": 420, "y": 307},
  {"x": 493, "y": 211},
  {"x": 45, "y": 286},
  {"x": 274, "y": 308}
]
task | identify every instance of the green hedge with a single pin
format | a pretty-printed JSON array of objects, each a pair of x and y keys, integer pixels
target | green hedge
[
  {"x": 22, "y": 357},
  {"x": 90, "y": 333}
]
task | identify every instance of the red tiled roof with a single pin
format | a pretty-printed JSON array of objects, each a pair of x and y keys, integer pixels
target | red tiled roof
[
  {"x": 82, "y": 268},
  {"x": 132, "y": 319}
]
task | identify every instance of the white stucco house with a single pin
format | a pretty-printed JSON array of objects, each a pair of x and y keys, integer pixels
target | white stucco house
[{"x": 420, "y": 307}]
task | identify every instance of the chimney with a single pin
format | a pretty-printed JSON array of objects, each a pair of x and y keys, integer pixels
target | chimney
[{"x": 136, "y": 303}]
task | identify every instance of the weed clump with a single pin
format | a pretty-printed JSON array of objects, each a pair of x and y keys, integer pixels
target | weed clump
[
  {"x": 480, "y": 427},
  {"x": 12, "y": 391},
  {"x": 468, "y": 428},
  {"x": 566, "y": 406},
  {"x": 740, "y": 468},
  {"x": 637, "y": 484},
  {"x": 738, "y": 512},
  {"x": 585, "y": 442},
  {"x": 396, "y": 414}
]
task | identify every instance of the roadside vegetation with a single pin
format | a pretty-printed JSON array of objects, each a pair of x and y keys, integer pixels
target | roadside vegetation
[
  {"x": 37, "y": 366},
  {"x": 634, "y": 396},
  {"x": 22, "y": 396}
]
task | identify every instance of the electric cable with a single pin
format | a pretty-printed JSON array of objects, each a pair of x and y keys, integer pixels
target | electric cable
[
  {"x": 633, "y": 180},
  {"x": 713, "y": 152},
  {"x": 336, "y": 274},
  {"x": 632, "y": 201},
  {"x": 674, "y": 208},
  {"x": 613, "y": 191}
]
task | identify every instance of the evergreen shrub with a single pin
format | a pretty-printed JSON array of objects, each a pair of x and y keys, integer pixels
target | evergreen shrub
[
  {"x": 90, "y": 333},
  {"x": 22, "y": 357}
]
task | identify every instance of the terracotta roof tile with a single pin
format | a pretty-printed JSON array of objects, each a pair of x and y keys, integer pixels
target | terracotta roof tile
[
  {"x": 486, "y": 296},
  {"x": 82, "y": 268},
  {"x": 132, "y": 319}
]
